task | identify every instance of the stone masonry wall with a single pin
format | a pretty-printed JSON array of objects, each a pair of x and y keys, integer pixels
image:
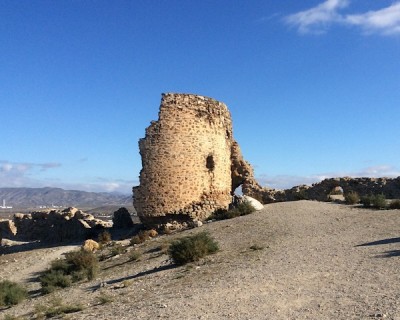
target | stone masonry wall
[
  {"x": 389, "y": 187},
  {"x": 186, "y": 161}
]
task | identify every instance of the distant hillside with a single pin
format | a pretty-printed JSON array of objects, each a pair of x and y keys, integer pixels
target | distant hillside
[{"x": 35, "y": 197}]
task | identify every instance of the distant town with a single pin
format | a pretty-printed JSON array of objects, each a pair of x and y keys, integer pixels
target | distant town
[
  {"x": 52, "y": 206},
  {"x": 4, "y": 205}
]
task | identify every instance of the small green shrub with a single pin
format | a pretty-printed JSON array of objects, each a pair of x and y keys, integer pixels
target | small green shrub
[
  {"x": 63, "y": 309},
  {"x": 395, "y": 204},
  {"x": 117, "y": 249},
  {"x": 141, "y": 237},
  {"x": 12, "y": 317},
  {"x": 104, "y": 298},
  {"x": 11, "y": 293},
  {"x": 379, "y": 201},
  {"x": 104, "y": 237},
  {"x": 135, "y": 240},
  {"x": 352, "y": 198},
  {"x": 242, "y": 209},
  {"x": 245, "y": 208},
  {"x": 57, "y": 308},
  {"x": 223, "y": 214},
  {"x": 54, "y": 279},
  {"x": 134, "y": 256},
  {"x": 192, "y": 248},
  {"x": 76, "y": 266},
  {"x": 366, "y": 201},
  {"x": 82, "y": 262}
]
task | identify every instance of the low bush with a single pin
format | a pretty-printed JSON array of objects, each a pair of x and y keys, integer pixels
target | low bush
[
  {"x": 104, "y": 237},
  {"x": 245, "y": 208},
  {"x": 192, "y": 248},
  {"x": 82, "y": 264},
  {"x": 134, "y": 256},
  {"x": 377, "y": 201},
  {"x": 395, "y": 204},
  {"x": 352, "y": 198},
  {"x": 104, "y": 298},
  {"x": 117, "y": 249},
  {"x": 242, "y": 209},
  {"x": 11, "y": 293},
  {"x": 366, "y": 201},
  {"x": 12, "y": 317},
  {"x": 54, "y": 279},
  {"x": 76, "y": 266},
  {"x": 57, "y": 308},
  {"x": 141, "y": 237}
]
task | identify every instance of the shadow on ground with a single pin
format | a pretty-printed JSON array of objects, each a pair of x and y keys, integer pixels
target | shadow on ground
[
  {"x": 138, "y": 275},
  {"x": 28, "y": 246},
  {"x": 386, "y": 254},
  {"x": 379, "y": 242}
]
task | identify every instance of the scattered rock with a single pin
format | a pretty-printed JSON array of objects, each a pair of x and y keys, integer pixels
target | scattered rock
[
  {"x": 90, "y": 246},
  {"x": 122, "y": 219},
  {"x": 152, "y": 233},
  {"x": 254, "y": 202}
]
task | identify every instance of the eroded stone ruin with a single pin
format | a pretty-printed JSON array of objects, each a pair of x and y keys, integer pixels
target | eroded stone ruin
[
  {"x": 389, "y": 187},
  {"x": 51, "y": 226},
  {"x": 191, "y": 164}
]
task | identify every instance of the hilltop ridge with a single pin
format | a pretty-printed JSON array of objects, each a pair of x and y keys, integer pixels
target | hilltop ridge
[{"x": 47, "y": 196}]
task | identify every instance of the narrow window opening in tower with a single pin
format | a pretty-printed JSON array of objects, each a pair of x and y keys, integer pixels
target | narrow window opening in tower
[{"x": 210, "y": 163}]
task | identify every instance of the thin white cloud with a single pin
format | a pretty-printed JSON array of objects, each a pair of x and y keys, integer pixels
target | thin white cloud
[
  {"x": 385, "y": 21},
  {"x": 50, "y": 165},
  {"x": 378, "y": 171},
  {"x": 16, "y": 175},
  {"x": 6, "y": 167},
  {"x": 21, "y": 167},
  {"x": 118, "y": 186},
  {"x": 317, "y": 19},
  {"x": 289, "y": 181}
]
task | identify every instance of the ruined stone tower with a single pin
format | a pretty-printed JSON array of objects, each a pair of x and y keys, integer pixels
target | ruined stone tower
[{"x": 186, "y": 161}]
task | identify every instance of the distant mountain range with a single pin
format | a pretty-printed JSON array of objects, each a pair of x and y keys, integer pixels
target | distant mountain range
[{"x": 36, "y": 197}]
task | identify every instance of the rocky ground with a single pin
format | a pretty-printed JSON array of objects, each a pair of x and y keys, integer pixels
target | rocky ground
[{"x": 312, "y": 260}]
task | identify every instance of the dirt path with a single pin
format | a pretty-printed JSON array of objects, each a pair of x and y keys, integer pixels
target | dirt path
[
  {"x": 23, "y": 266},
  {"x": 317, "y": 261}
]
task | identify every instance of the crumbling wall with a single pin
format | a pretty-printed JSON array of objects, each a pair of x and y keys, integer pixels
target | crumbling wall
[
  {"x": 52, "y": 226},
  {"x": 186, "y": 161},
  {"x": 389, "y": 187}
]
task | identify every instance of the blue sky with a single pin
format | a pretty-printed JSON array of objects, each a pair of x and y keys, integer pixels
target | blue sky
[{"x": 313, "y": 86}]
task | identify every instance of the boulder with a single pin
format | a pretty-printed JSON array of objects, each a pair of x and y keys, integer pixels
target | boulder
[
  {"x": 122, "y": 219},
  {"x": 254, "y": 202},
  {"x": 90, "y": 246},
  {"x": 152, "y": 233},
  {"x": 7, "y": 229}
]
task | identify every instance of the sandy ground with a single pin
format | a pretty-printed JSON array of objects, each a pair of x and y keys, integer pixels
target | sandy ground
[{"x": 318, "y": 261}]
